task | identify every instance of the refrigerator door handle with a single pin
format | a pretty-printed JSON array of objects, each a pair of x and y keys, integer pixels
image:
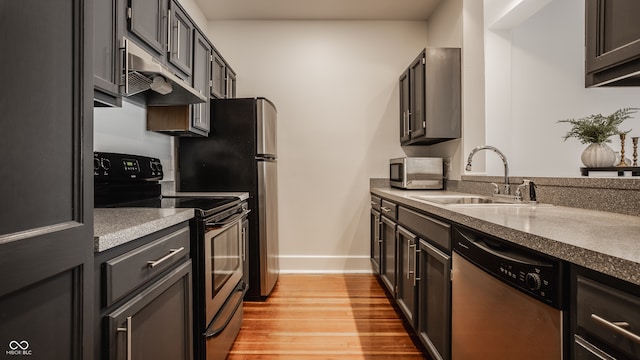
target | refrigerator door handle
[{"x": 266, "y": 157}]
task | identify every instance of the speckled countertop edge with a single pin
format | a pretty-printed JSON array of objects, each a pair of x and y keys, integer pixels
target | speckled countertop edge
[
  {"x": 576, "y": 238},
  {"x": 116, "y": 226}
]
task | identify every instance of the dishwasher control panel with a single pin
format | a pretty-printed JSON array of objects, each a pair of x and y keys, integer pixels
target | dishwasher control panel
[{"x": 533, "y": 273}]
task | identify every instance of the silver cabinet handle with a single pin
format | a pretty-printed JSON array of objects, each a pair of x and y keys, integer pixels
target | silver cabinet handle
[
  {"x": 178, "y": 39},
  {"x": 617, "y": 327},
  {"x": 125, "y": 62},
  {"x": 409, "y": 258},
  {"x": 415, "y": 261},
  {"x": 408, "y": 255},
  {"x": 172, "y": 252},
  {"x": 385, "y": 209},
  {"x": 168, "y": 30},
  {"x": 128, "y": 331}
]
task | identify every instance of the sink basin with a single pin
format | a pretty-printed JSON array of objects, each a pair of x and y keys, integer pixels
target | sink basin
[{"x": 466, "y": 200}]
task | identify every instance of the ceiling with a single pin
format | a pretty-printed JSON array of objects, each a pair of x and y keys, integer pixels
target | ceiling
[{"x": 317, "y": 9}]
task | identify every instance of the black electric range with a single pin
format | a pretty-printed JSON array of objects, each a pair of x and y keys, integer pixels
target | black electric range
[
  {"x": 218, "y": 243},
  {"x": 124, "y": 180}
]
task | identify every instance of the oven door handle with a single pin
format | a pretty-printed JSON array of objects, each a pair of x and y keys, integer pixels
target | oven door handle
[
  {"x": 214, "y": 330},
  {"x": 229, "y": 221}
]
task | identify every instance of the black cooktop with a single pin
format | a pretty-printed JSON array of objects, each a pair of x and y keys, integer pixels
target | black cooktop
[{"x": 204, "y": 206}]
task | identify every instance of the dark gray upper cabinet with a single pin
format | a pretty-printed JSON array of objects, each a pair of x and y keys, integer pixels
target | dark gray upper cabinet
[
  {"x": 218, "y": 76},
  {"x": 46, "y": 231},
  {"x": 434, "y": 98},
  {"x": 146, "y": 19},
  {"x": 405, "y": 111},
  {"x": 612, "y": 43},
  {"x": 201, "y": 76},
  {"x": 107, "y": 32},
  {"x": 180, "y": 45},
  {"x": 230, "y": 82}
]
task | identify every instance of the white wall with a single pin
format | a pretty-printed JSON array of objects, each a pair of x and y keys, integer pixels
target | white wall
[
  {"x": 535, "y": 76},
  {"x": 335, "y": 86}
]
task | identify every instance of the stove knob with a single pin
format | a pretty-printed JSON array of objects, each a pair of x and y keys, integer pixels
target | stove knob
[
  {"x": 153, "y": 166},
  {"x": 159, "y": 167},
  {"x": 96, "y": 164},
  {"x": 533, "y": 281},
  {"x": 106, "y": 164}
]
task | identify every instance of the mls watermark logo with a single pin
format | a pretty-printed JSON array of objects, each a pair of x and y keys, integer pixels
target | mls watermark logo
[{"x": 19, "y": 348}]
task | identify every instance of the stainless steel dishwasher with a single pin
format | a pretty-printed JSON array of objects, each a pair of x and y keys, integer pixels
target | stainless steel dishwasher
[{"x": 506, "y": 301}]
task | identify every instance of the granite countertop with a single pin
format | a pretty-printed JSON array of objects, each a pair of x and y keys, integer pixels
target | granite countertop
[
  {"x": 605, "y": 242},
  {"x": 116, "y": 226}
]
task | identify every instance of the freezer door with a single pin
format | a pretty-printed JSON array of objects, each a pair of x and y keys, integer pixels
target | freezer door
[
  {"x": 266, "y": 127},
  {"x": 268, "y": 225}
]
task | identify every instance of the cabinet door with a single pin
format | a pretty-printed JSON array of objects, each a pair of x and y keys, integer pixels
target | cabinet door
[
  {"x": 201, "y": 75},
  {"x": 180, "y": 45},
  {"x": 388, "y": 265},
  {"x": 406, "y": 269},
  {"x": 106, "y": 54},
  {"x": 405, "y": 110},
  {"x": 417, "y": 101},
  {"x": 230, "y": 80},
  {"x": 218, "y": 76},
  {"x": 46, "y": 226},
  {"x": 434, "y": 301},
  {"x": 376, "y": 242},
  {"x": 612, "y": 42},
  {"x": 147, "y": 19},
  {"x": 156, "y": 324}
]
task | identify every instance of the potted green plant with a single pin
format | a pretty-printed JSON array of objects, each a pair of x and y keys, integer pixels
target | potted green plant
[{"x": 595, "y": 130}]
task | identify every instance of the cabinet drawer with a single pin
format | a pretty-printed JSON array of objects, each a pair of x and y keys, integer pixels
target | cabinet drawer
[
  {"x": 129, "y": 270},
  {"x": 375, "y": 202},
  {"x": 435, "y": 231},
  {"x": 389, "y": 209},
  {"x": 609, "y": 316}
]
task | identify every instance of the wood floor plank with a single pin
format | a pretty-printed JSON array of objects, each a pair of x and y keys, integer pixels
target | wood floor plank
[{"x": 324, "y": 317}]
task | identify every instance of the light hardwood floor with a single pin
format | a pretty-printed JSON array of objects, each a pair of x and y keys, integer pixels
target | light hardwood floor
[{"x": 324, "y": 317}]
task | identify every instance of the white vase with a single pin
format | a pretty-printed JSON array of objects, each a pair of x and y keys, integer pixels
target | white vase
[{"x": 598, "y": 155}]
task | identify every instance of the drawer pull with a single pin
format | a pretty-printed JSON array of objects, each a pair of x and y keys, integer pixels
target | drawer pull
[
  {"x": 385, "y": 209},
  {"x": 171, "y": 253},
  {"x": 617, "y": 327},
  {"x": 128, "y": 331}
]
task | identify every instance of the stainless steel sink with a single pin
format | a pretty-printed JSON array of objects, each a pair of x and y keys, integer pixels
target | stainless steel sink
[{"x": 466, "y": 200}]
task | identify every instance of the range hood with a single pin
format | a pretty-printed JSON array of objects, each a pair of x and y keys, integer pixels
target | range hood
[{"x": 145, "y": 73}]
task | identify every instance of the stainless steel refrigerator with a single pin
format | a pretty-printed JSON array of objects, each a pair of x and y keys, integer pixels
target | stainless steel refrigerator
[{"x": 240, "y": 155}]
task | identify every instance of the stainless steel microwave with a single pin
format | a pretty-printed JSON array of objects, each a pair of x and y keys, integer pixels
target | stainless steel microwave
[{"x": 416, "y": 173}]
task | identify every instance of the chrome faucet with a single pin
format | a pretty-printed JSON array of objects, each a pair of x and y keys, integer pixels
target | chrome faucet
[{"x": 506, "y": 190}]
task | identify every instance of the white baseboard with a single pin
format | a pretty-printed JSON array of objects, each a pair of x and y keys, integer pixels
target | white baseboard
[{"x": 304, "y": 264}]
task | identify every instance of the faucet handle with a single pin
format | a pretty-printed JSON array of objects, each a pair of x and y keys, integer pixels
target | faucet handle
[
  {"x": 496, "y": 188},
  {"x": 518, "y": 193}
]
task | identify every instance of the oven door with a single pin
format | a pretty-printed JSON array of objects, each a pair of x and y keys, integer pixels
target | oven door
[{"x": 222, "y": 261}]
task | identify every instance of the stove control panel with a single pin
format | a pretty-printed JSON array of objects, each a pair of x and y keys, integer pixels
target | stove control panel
[{"x": 109, "y": 167}]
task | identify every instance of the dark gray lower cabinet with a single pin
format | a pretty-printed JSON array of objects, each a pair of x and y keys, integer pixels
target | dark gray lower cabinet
[
  {"x": 434, "y": 297},
  {"x": 156, "y": 324},
  {"x": 144, "y": 303},
  {"x": 407, "y": 265},
  {"x": 605, "y": 321},
  {"x": 415, "y": 267},
  {"x": 388, "y": 265},
  {"x": 376, "y": 242}
]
